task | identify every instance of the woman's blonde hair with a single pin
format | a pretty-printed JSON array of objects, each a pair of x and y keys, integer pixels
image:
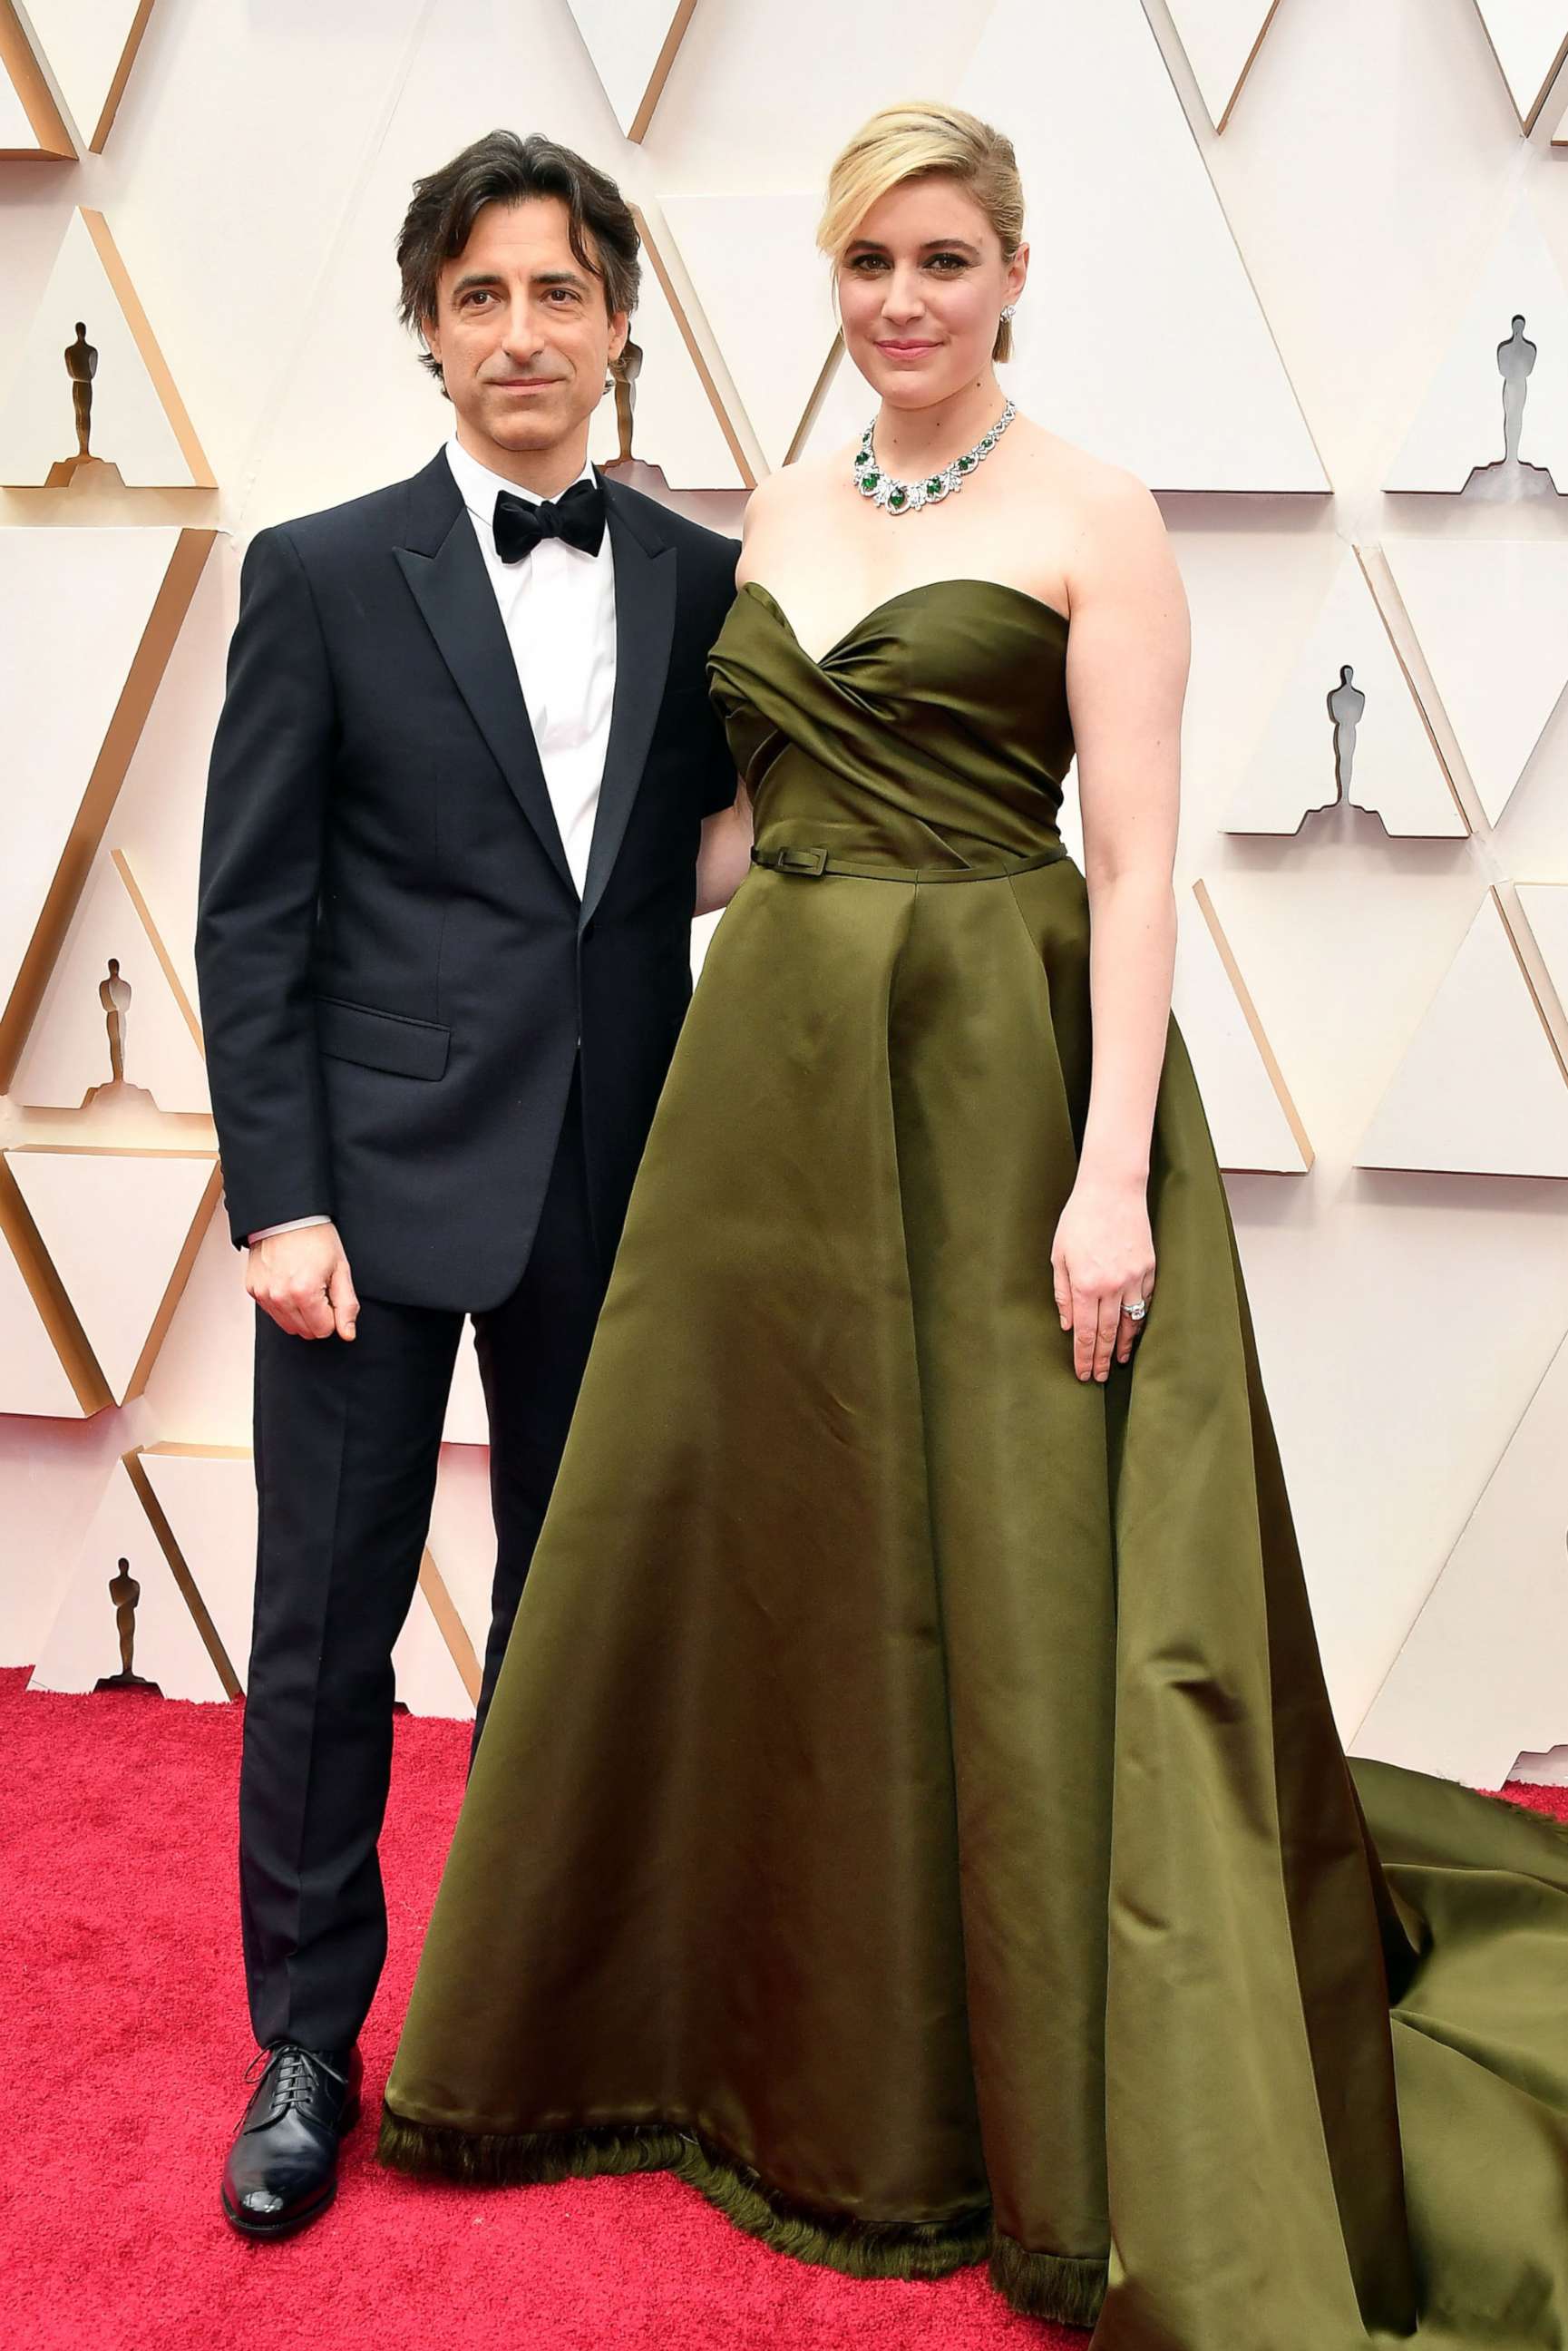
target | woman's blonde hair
[{"x": 914, "y": 140}]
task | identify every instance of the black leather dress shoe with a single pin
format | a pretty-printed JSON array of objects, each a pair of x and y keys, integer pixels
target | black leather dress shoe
[{"x": 282, "y": 2170}]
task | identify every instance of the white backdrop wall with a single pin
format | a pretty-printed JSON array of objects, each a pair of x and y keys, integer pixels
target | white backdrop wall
[{"x": 1407, "y": 1315}]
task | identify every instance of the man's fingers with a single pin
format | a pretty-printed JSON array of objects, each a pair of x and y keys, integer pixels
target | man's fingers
[
  {"x": 345, "y": 1305},
  {"x": 301, "y": 1278},
  {"x": 283, "y": 1314},
  {"x": 316, "y": 1315}
]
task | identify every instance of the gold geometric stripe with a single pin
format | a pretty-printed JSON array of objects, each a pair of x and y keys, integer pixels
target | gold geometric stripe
[
  {"x": 182, "y": 1576},
  {"x": 1538, "y": 991},
  {"x": 1389, "y": 590},
  {"x": 661, "y": 73},
  {"x": 16, "y": 59},
  {"x": 818, "y": 393},
  {"x": 742, "y": 463},
  {"x": 176, "y": 987},
  {"x": 177, "y": 1281},
  {"x": 146, "y": 342},
  {"x": 453, "y": 1630},
  {"x": 142, "y": 680},
  {"x": 116, "y": 90},
  {"x": 1250, "y": 1014},
  {"x": 56, "y": 1313}
]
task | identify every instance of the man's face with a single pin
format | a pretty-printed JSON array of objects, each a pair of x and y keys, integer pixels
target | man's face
[{"x": 521, "y": 330}]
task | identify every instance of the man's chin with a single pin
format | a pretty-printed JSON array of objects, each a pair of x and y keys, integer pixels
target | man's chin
[{"x": 533, "y": 425}]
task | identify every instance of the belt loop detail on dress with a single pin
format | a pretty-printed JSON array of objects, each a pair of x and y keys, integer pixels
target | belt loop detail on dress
[
  {"x": 820, "y": 861},
  {"x": 793, "y": 861}
]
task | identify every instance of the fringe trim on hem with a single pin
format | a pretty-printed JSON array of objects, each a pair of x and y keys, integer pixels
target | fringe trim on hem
[
  {"x": 1040, "y": 2285},
  {"x": 864, "y": 2248},
  {"x": 1047, "y": 2285}
]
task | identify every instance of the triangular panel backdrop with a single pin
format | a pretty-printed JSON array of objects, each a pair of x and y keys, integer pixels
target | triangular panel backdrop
[{"x": 1405, "y": 721}]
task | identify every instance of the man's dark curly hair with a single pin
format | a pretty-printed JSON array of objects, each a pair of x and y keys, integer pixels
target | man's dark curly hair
[{"x": 503, "y": 169}]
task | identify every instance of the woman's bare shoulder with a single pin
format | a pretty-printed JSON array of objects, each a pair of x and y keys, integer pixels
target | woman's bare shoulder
[
  {"x": 790, "y": 500},
  {"x": 1075, "y": 474}
]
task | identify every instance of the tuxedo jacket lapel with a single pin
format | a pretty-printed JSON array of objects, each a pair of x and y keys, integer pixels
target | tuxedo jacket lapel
[
  {"x": 644, "y": 628},
  {"x": 443, "y": 565}
]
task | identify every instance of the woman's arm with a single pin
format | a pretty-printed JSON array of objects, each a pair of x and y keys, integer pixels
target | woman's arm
[
  {"x": 724, "y": 858},
  {"x": 1129, "y": 645}
]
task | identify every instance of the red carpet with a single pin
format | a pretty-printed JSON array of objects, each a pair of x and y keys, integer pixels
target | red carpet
[{"x": 122, "y": 2046}]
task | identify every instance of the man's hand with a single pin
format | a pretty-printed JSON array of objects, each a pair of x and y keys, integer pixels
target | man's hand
[{"x": 302, "y": 1280}]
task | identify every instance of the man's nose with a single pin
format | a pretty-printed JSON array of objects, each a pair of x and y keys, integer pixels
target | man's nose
[{"x": 522, "y": 335}]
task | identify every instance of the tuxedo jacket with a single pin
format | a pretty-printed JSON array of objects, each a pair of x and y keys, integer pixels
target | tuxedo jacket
[{"x": 396, "y": 972}]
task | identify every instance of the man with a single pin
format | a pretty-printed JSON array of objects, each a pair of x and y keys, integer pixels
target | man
[{"x": 456, "y": 798}]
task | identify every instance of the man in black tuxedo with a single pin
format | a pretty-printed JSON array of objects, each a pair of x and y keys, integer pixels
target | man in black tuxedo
[{"x": 466, "y": 768}]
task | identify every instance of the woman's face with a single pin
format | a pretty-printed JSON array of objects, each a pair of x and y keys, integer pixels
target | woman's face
[{"x": 921, "y": 286}]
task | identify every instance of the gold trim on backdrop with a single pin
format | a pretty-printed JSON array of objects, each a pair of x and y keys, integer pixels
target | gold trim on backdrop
[
  {"x": 661, "y": 72},
  {"x": 178, "y": 1278},
  {"x": 715, "y": 401},
  {"x": 1526, "y": 121},
  {"x": 817, "y": 394},
  {"x": 142, "y": 680},
  {"x": 1543, "y": 994},
  {"x": 144, "y": 913},
  {"x": 47, "y": 1293},
  {"x": 116, "y": 90},
  {"x": 1251, "y": 60},
  {"x": 179, "y": 1275},
  {"x": 184, "y": 1580},
  {"x": 181, "y": 1452},
  {"x": 1383, "y": 593},
  {"x": 453, "y": 1630},
  {"x": 55, "y": 144},
  {"x": 1250, "y": 1014},
  {"x": 146, "y": 341}
]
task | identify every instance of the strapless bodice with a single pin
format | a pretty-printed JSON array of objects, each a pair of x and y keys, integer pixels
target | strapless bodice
[{"x": 935, "y": 733}]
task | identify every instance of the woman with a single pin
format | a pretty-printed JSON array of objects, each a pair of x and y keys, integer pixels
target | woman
[{"x": 911, "y": 1808}]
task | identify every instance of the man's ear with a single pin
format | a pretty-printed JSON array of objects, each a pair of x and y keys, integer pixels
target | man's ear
[
  {"x": 432, "y": 333},
  {"x": 620, "y": 331}
]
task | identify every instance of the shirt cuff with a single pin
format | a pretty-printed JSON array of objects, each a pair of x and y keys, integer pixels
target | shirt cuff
[{"x": 295, "y": 1225}]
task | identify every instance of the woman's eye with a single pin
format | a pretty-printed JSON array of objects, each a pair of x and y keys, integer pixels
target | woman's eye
[{"x": 862, "y": 261}]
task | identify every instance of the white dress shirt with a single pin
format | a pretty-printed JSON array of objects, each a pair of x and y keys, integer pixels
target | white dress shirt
[{"x": 557, "y": 608}]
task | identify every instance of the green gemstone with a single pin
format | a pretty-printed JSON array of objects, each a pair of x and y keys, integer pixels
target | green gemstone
[
  {"x": 896, "y": 498},
  {"x": 870, "y": 481},
  {"x": 934, "y": 486},
  {"x": 965, "y": 464}
]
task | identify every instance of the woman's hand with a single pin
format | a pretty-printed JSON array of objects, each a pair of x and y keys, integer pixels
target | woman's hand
[{"x": 1101, "y": 1259}]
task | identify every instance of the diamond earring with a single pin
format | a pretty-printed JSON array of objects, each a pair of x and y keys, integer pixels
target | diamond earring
[{"x": 1009, "y": 309}]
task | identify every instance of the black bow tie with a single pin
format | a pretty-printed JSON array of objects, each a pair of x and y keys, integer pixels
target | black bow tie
[{"x": 577, "y": 515}]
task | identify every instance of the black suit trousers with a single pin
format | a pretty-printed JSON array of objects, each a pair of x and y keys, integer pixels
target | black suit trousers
[{"x": 347, "y": 1440}]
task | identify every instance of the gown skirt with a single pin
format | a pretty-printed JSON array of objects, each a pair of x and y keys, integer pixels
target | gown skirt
[{"x": 911, "y": 1809}]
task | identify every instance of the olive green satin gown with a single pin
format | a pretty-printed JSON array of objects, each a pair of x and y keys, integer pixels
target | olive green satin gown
[{"x": 911, "y": 1808}]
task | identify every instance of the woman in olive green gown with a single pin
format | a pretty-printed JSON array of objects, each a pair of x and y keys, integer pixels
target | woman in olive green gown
[{"x": 911, "y": 1809}]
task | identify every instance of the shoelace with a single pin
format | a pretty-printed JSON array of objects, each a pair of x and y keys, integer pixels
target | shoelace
[{"x": 293, "y": 2073}]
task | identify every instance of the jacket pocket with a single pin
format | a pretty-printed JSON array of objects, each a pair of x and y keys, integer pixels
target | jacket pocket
[{"x": 380, "y": 1040}]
